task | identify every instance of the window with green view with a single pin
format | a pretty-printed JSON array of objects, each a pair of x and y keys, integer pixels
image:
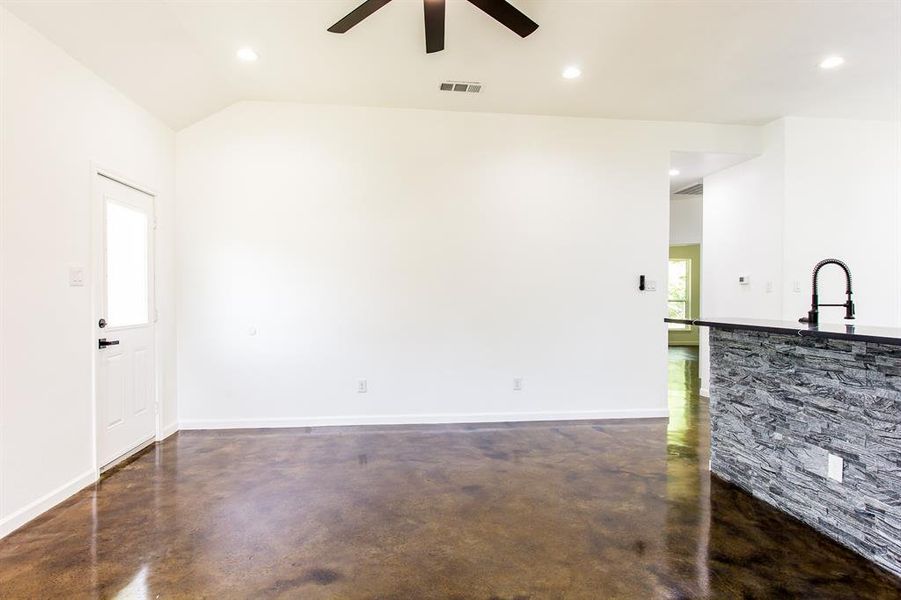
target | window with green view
[{"x": 678, "y": 291}]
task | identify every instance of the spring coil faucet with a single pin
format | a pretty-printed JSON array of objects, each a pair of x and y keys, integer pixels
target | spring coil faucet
[{"x": 813, "y": 315}]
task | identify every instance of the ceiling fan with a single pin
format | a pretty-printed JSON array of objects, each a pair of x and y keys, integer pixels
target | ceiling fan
[{"x": 501, "y": 10}]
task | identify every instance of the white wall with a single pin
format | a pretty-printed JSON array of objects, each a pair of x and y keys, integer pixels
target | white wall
[
  {"x": 743, "y": 234},
  {"x": 822, "y": 188},
  {"x": 56, "y": 118},
  {"x": 842, "y": 200},
  {"x": 438, "y": 255},
  {"x": 685, "y": 219}
]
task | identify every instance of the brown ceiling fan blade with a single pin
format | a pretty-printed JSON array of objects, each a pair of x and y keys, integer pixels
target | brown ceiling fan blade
[
  {"x": 507, "y": 15},
  {"x": 356, "y": 15},
  {"x": 434, "y": 25}
]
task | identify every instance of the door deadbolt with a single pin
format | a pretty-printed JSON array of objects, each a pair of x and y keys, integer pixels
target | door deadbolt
[{"x": 101, "y": 323}]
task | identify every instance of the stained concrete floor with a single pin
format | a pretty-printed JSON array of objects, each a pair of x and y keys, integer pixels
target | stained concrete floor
[{"x": 542, "y": 510}]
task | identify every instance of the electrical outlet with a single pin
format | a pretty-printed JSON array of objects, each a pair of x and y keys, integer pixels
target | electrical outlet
[
  {"x": 796, "y": 286},
  {"x": 517, "y": 384},
  {"x": 651, "y": 285},
  {"x": 769, "y": 287},
  {"x": 836, "y": 467},
  {"x": 362, "y": 386}
]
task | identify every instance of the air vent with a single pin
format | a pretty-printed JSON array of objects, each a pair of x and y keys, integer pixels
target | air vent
[
  {"x": 693, "y": 190},
  {"x": 472, "y": 87}
]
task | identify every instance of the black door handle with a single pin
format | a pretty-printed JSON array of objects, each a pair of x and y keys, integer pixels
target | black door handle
[{"x": 103, "y": 343}]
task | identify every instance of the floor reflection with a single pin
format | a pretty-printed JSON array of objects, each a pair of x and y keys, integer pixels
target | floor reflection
[
  {"x": 688, "y": 482},
  {"x": 136, "y": 589},
  {"x": 538, "y": 510}
]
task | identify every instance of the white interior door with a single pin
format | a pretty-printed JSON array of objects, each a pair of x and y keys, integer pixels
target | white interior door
[{"x": 126, "y": 375}]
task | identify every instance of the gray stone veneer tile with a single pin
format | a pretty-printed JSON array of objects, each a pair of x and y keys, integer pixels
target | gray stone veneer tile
[{"x": 780, "y": 404}]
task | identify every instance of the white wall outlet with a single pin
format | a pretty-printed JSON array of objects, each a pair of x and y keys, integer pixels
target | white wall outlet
[
  {"x": 796, "y": 286},
  {"x": 769, "y": 287},
  {"x": 836, "y": 467},
  {"x": 362, "y": 386},
  {"x": 651, "y": 285},
  {"x": 517, "y": 384},
  {"x": 744, "y": 280},
  {"x": 76, "y": 276}
]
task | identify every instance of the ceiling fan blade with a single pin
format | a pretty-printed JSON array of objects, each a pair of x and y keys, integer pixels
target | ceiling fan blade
[
  {"x": 356, "y": 15},
  {"x": 508, "y": 15},
  {"x": 434, "y": 25}
]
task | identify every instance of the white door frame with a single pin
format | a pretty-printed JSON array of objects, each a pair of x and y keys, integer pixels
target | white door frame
[{"x": 97, "y": 268}]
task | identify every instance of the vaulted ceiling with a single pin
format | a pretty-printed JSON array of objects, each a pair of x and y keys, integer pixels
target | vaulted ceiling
[{"x": 714, "y": 61}]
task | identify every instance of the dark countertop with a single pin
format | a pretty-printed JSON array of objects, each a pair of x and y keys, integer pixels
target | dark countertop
[{"x": 878, "y": 335}]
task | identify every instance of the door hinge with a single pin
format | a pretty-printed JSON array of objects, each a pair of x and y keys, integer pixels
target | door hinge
[
  {"x": 156, "y": 316},
  {"x": 154, "y": 223}
]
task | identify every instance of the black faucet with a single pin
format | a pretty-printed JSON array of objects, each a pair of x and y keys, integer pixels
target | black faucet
[{"x": 813, "y": 315}]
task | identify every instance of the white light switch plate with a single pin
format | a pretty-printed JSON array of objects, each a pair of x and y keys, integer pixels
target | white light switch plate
[{"x": 76, "y": 276}]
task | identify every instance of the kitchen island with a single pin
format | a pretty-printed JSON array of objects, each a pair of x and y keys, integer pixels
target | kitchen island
[{"x": 808, "y": 419}]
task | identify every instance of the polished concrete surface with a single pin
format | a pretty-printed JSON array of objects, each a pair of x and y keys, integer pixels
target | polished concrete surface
[{"x": 546, "y": 510}]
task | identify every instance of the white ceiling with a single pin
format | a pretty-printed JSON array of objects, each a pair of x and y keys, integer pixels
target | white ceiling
[
  {"x": 697, "y": 60},
  {"x": 693, "y": 167}
]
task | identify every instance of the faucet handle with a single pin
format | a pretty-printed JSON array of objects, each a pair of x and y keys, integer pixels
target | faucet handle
[{"x": 849, "y": 310}]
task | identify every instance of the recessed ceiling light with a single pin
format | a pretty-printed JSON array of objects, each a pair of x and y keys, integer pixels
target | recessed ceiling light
[
  {"x": 673, "y": 172},
  {"x": 831, "y": 62},
  {"x": 572, "y": 72},
  {"x": 247, "y": 54}
]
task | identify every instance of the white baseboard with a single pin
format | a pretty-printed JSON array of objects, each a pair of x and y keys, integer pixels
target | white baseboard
[
  {"x": 422, "y": 419},
  {"x": 46, "y": 502},
  {"x": 704, "y": 392},
  {"x": 167, "y": 431}
]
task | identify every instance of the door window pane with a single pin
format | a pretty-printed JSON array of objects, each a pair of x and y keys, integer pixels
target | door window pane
[{"x": 127, "y": 298}]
